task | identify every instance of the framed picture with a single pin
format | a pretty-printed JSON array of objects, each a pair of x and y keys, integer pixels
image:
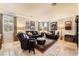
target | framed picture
[
  {"x": 27, "y": 25},
  {"x": 53, "y": 26},
  {"x": 68, "y": 25},
  {"x": 32, "y": 25},
  {"x": 39, "y": 26},
  {"x": 43, "y": 26}
]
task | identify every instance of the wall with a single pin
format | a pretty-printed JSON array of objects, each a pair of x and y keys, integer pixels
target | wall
[
  {"x": 1, "y": 30},
  {"x": 41, "y": 12},
  {"x": 1, "y": 23},
  {"x": 61, "y": 22},
  {"x": 21, "y": 22}
]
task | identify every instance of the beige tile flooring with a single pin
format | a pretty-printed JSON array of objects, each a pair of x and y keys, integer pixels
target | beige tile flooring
[{"x": 59, "y": 48}]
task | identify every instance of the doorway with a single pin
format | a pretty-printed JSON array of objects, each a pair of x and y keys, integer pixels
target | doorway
[
  {"x": 8, "y": 34},
  {"x": 8, "y": 28}
]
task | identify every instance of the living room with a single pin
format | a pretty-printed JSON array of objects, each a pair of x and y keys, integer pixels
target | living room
[{"x": 52, "y": 28}]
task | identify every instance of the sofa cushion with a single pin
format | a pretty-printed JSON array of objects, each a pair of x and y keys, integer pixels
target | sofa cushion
[
  {"x": 34, "y": 32},
  {"x": 56, "y": 32},
  {"x": 53, "y": 32}
]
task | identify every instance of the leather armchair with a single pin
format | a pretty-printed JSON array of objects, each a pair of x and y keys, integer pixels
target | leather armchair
[{"x": 23, "y": 40}]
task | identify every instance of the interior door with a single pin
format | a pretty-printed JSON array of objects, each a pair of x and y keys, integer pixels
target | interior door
[
  {"x": 8, "y": 34},
  {"x": 8, "y": 28}
]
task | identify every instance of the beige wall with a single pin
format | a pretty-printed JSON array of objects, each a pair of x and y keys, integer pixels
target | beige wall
[
  {"x": 41, "y": 12},
  {"x": 21, "y": 22},
  {"x": 44, "y": 11},
  {"x": 61, "y": 22}
]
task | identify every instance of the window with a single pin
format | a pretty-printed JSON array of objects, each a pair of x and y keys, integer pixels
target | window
[
  {"x": 8, "y": 23},
  {"x": 43, "y": 26}
]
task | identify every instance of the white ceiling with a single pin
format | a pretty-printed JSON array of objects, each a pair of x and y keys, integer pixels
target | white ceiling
[{"x": 42, "y": 10}]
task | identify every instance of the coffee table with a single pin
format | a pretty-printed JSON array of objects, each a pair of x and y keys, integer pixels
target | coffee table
[{"x": 41, "y": 41}]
